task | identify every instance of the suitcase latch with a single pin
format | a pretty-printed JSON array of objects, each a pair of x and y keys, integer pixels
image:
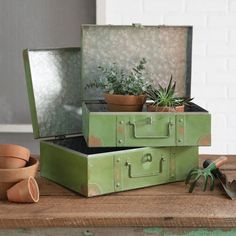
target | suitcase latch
[{"x": 146, "y": 159}]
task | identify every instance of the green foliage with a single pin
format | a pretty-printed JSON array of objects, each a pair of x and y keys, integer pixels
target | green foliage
[
  {"x": 115, "y": 80},
  {"x": 165, "y": 96}
]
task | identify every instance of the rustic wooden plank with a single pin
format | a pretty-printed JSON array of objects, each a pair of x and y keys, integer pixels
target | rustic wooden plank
[
  {"x": 167, "y": 211},
  {"x": 49, "y": 188},
  {"x": 231, "y": 175}
]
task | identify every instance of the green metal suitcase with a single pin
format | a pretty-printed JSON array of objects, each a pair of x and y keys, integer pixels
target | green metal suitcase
[
  {"x": 53, "y": 83},
  {"x": 168, "y": 52},
  {"x": 97, "y": 171}
]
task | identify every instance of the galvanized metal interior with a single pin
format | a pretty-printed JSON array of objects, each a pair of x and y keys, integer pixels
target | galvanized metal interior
[
  {"x": 167, "y": 50},
  {"x": 53, "y": 82}
]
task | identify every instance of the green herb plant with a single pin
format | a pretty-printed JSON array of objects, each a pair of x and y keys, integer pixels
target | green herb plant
[
  {"x": 165, "y": 96},
  {"x": 116, "y": 80}
]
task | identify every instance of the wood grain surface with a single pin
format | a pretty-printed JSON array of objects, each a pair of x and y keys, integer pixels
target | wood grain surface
[{"x": 168, "y": 205}]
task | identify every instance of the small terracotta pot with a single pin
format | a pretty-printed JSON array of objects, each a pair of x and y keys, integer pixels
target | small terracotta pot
[
  {"x": 26, "y": 190},
  {"x": 154, "y": 108},
  {"x": 13, "y": 156},
  {"x": 9, "y": 177},
  {"x": 124, "y": 103}
]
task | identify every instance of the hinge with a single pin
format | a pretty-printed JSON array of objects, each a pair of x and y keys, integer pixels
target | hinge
[
  {"x": 60, "y": 137},
  {"x": 172, "y": 165},
  {"x": 137, "y": 25},
  {"x": 180, "y": 130},
  {"x": 117, "y": 173},
  {"x": 120, "y": 131}
]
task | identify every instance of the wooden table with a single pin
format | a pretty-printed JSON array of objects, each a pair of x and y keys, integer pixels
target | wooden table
[{"x": 154, "y": 210}]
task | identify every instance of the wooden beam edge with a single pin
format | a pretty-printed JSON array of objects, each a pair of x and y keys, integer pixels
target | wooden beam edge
[{"x": 198, "y": 222}]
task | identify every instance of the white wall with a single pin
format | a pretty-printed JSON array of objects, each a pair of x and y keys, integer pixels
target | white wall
[{"x": 214, "y": 53}]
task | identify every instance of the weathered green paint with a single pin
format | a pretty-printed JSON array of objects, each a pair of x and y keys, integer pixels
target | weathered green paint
[
  {"x": 156, "y": 129},
  {"x": 100, "y": 176},
  {"x": 106, "y": 121},
  {"x": 189, "y": 231},
  {"x": 197, "y": 129},
  {"x": 58, "y": 162},
  {"x": 98, "y": 171},
  {"x": 121, "y": 231}
]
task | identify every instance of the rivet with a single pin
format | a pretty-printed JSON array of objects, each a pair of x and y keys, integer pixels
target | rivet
[
  {"x": 118, "y": 160},
  {"x": 121, "y": 122},
  {"x": 118, "y": 185},
  {"x": 87, "y": 233},
  {"x": 120, "y": 141},
  {"x": 180, "y": 140},
  {"x": 181, "y": 120}
]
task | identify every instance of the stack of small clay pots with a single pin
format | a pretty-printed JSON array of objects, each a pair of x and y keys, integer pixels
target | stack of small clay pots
[{"x": 17, "y": 172}]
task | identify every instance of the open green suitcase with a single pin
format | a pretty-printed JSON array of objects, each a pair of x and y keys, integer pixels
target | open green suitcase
[
  {"x": 53, "y": 78},
  {"x": 167, "y": 50},
  {"x": 56, "y": 99}
]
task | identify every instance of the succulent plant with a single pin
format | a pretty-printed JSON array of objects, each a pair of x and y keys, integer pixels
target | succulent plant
[
  {"x": 115, "y": 80},
  {"x": 165, "y": 96}
]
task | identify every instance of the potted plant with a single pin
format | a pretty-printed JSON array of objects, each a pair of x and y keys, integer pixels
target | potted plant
[
  {"x": 123, "y": 91},
  {"x": 164, "y": 100}
]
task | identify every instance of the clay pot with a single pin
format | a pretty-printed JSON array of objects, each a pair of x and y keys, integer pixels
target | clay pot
[
  {"x": 9, "y": 177},
  {"x": 124, "y": 103},
  {"x": 13, "y": 156},
  {"x": 26, "y": 190},
  {"x": 152, "y": 108}
]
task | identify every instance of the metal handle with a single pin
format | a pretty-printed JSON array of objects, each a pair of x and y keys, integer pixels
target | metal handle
[
  {"x": 157, "y": 172},
  {"x": 149, "y": 121},
  {"x": 216, "y": 172}
]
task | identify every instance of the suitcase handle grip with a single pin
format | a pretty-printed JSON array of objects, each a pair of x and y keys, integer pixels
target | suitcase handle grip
[
  {"x": 155, "y": 173},
  {"x": 151, "y": 136}
]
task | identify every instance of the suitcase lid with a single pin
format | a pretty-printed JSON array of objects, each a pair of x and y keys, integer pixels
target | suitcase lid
[
  {"x": 167, "y": 49},
  {"x": 53, "y": 78}
]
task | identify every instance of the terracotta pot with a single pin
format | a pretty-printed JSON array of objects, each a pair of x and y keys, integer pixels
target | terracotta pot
[
  {"x": 9, "y": 177},
  {"x": 124, "y": 102},
  {"x": 26, "y": 190},
  {"x": 13, "y": 156},
  {"x": 152, "y": 108}
]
